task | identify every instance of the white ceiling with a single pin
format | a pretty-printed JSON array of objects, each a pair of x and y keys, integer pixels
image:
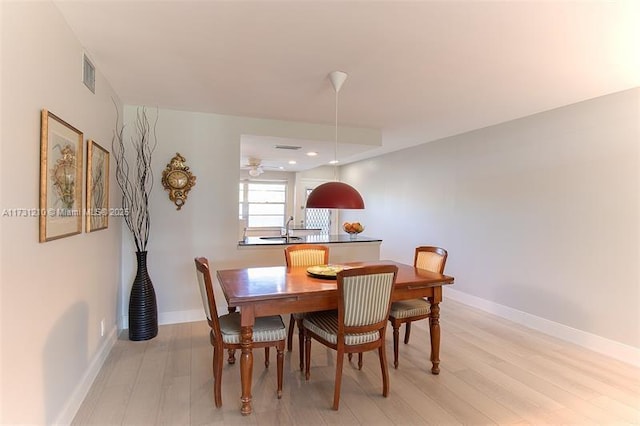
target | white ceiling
[{"x": 418, "y": 71}]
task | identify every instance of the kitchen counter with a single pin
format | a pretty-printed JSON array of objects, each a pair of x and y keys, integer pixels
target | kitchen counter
[
  {"x": 307, "y": 239},
  {"x": 256, "y": 251}
]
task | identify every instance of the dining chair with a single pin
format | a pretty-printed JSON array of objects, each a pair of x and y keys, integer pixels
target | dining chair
[
  {"x": 359, "y": 324},
  {"x": 225, "y": 331},
  {"x": 406, "y": 311},
  {"x": 303, "y": 255}
]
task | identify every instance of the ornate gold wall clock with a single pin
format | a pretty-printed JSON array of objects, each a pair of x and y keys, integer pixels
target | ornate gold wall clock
[{"x": 178, "y": 180}]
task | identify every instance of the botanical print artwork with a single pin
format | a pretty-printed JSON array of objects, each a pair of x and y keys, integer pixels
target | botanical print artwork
[
  {"x": 63, "y": 175},
  {"x": 97, "y": 187},
  {"x": 60, "y": 178}
]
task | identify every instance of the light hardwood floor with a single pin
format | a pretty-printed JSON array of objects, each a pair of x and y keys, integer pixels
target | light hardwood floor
[{"x": 492, "y": 372}]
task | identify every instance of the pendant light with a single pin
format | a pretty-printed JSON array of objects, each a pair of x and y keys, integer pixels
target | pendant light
[{"x": 335, "y": 195}]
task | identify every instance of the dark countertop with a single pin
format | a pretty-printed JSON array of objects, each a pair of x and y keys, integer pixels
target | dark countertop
[{"x": 309, "y": 239}]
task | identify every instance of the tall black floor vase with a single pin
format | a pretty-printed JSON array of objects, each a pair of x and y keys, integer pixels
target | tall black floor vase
[{"x": 143, "y": 310}]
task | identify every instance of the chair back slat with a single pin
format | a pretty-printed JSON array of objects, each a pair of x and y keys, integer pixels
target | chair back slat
[
  {"x": 430, "y": 258},
  {"x": 364, "y": 298},
  {"x": 205, "y": 285},
  {"x": 307, "y": 258},
  {"x": 306, "y": 255}
]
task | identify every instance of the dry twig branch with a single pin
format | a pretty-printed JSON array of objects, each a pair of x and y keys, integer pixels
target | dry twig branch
[{"x": 136, "y": 182}]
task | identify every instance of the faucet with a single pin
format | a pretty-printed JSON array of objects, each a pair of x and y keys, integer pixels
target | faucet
[{"x": 286, "y": 226}]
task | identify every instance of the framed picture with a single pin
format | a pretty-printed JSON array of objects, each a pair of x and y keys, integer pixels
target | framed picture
[
  {"x": 60, "y": 178},
  {"x": 97, "y": 187}
]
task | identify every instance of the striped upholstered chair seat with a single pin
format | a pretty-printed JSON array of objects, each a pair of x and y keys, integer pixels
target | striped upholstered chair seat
[
  {"x": 303, "y": 255},
  {"x": 359, "y": 324},
  {"x": 266, "y": 329},
  {"x": 409, "y": 308}
]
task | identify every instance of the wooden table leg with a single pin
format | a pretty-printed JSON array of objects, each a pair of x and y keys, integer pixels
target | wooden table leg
[
  {"x": 232, "y": 352},
  {"x": 434, "y": 330},
  {"x": 246, "y": 368}
]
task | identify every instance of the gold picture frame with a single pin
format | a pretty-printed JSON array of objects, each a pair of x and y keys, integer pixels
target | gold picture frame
[
  {"x": 60, "y": 178},
  {"x": 97, "y": 187}
]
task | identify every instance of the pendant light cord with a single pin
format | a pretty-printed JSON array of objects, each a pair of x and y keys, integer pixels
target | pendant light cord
[{"x": 335, "y": 154}]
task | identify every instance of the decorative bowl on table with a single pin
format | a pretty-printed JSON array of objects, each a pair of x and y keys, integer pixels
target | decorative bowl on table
[
  {"x": 327, "y": 272},
  {"x": 353, "y": 229}
]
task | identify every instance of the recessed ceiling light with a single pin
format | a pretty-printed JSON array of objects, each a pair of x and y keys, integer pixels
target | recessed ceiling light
[
  {"x": 281, "y": 167},
  {"x": 292, "y": 162},
  {"x": 333, "y": 162},
  {"x": 312, "y": 153}
]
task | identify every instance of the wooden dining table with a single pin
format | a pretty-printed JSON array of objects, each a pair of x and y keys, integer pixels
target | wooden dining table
[{"x": 263, "y": 291}]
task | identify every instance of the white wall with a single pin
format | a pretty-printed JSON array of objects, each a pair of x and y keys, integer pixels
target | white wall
[
  {"x": 539, "y": 214},
  {"x": 54, "y": 294}
]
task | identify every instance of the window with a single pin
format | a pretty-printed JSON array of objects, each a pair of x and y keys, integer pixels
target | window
[
  {"x": 317, "y": 218},
  {"x": 263, "y": 203}
]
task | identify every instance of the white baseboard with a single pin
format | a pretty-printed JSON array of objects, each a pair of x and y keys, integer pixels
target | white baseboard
[
  {"x": 617, "y": 350},
  {"x": 74, "y": 402},
  {"x": 175, "y": 317}
]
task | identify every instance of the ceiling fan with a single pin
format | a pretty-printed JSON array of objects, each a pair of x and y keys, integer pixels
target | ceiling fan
[{"x": 255, "y": 167}]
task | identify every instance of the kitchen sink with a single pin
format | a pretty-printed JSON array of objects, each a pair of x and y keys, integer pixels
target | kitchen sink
[{"x": 282, "y": 238}]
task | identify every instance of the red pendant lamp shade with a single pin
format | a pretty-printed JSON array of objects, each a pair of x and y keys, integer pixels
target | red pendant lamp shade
[{"x": 335, "y": 195}]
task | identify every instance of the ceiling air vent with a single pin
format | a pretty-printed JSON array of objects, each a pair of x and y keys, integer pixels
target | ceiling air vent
[
  {"x": 88, "y": 73},
  {"x": 290, "y": 147}
]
